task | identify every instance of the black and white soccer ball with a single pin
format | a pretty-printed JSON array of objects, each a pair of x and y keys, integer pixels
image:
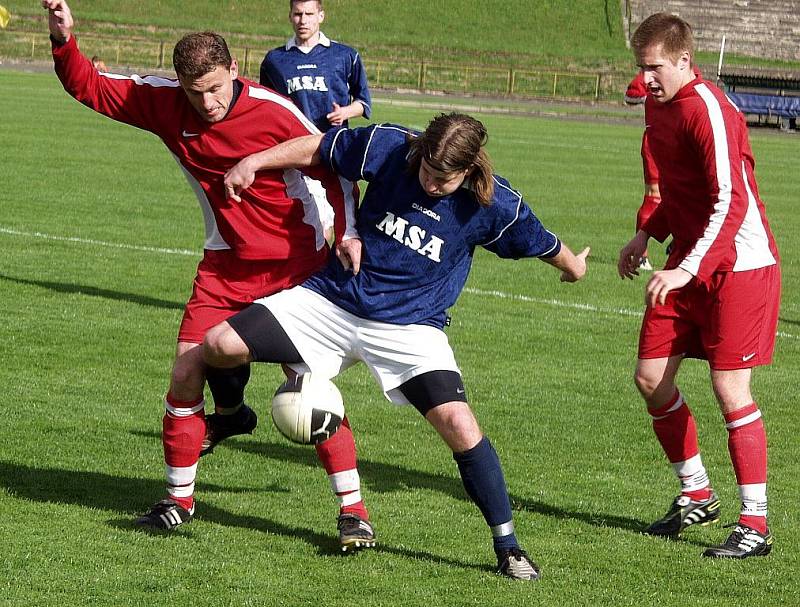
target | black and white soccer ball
[{"x": 307, "y": 409}]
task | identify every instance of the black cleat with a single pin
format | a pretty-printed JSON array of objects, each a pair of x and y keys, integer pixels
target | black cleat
[
  {"x": 742, "y": 542},
  {"x": 165, "y": 515},
  {"x": 355, "y": 532},
  {"x": 685, "y": 512},
  {"x": 219, "y": 427},
  {"x": 515, "y": 564}
]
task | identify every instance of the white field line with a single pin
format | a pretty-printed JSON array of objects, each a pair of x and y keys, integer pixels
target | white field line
[
  {"x": 100, "y": 243},
  {"x": 496, "y": 294}
]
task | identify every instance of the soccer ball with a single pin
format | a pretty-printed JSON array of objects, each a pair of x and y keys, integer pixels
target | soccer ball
[{"x": 307, "y": 409}]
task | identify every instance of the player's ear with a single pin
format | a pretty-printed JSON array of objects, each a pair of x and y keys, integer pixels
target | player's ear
[
  {"x": 234, "y": 69},
  {"x": 685, "y": 60},
  {"x": 321, "y": 16}
]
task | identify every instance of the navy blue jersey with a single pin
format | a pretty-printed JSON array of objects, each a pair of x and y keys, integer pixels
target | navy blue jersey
[
  {"x": 328, "y": 73},
  {"x": 417, "y": 250}
]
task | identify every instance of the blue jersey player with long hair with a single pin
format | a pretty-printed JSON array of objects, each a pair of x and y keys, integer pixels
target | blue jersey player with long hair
[{"x": 382, "y": 299}]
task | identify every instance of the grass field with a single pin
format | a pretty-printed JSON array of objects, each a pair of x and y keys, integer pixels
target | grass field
[
  {"x": 100, "y": 238},
  {"x": 448, "y": 29}
]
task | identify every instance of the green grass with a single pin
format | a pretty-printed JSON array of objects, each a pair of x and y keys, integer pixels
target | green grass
[
  {"x": 88, "y": 333},
  {"x": 412, "y": 28}
]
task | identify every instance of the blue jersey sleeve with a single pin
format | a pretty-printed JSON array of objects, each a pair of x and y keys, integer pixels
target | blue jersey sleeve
[
  {"x": 270, "y": 77},
  {"x": 517, "y": 232},
  {"x": 361, "y": 153},
  {"x": 359, "y": 89}
]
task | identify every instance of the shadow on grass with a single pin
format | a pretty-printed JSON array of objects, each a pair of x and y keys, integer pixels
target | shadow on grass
[
  {"x": 386, "y": 478},
  {"x": 65, "y": 287},
  {"x": 130, "y": 496}
]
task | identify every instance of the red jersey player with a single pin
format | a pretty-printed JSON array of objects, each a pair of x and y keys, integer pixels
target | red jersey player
[
  {"x": 635, "y": 94},
  {"x": 209, "y": 118},
  {"x": 719, "y": 294}
]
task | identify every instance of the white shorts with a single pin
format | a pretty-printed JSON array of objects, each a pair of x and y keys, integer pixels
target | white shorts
[{"x": 330, "y": 340}]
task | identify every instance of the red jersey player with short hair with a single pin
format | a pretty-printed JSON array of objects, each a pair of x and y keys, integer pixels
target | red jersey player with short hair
[
  {"x": 636, "y": 94},
  {"x": 273, "y": 239},
  {"x": 719, "y": 294}
]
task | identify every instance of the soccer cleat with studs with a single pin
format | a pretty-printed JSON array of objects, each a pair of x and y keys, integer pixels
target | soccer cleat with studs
[
  {"x": 685, "y": 512},
  {"x": 219, "y": 427},
  {"x": 744, "y": 541},
  {"x": 514, "y": 563},
  {"x": 354, "y": 532},
  {"x": 165, "y": 515}
]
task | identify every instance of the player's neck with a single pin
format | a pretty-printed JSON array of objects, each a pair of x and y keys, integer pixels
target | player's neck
[{"x": 308, "y": 43}]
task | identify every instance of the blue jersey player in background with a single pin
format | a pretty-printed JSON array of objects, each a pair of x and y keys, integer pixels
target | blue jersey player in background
[
  {"x": 325, "y": 79},
  {"x": 431, "y": 199}
]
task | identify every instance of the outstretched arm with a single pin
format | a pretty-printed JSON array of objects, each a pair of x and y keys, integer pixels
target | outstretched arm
[
  {"x": 573, "y": 267},
  {"x": 59, "y": 20},
  {"x": 293, "y": 154}
]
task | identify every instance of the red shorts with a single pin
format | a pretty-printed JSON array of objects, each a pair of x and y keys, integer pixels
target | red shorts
[
  {"x": 225, "y": 284},
  {"x": 731, "y": 321}
]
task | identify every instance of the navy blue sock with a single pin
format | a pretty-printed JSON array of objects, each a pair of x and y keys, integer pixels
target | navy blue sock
[
  {"x": 483, "y": 479},
  {"x": 227, "y": 385}
]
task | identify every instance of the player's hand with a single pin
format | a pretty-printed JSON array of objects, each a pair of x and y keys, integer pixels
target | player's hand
[
  {"x": 337, "y": 116},
  {"x": 349, "y": 254},
  {"x": 59, "y": 19},
  {"x": 664, "y": 281},
  {"x": 239, "y": 178},
  {"x": 631, "y": 255},
  {"x": 577, "y": 272}
]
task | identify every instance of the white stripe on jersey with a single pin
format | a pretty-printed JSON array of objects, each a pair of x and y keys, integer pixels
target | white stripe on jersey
[
  {"x": 214, "y": 240},
  {"x": 516, "y": 214},
  {"x": 154, "y": 81},
  {"x": 266, "y": 95},
  {"x": 723, "y": 168},
  {"x": 350, "y": 204},
  {"x": 311, "y": 194},
  {"x": 751, "y": 241},
  {"x": 371, "y": 135}
]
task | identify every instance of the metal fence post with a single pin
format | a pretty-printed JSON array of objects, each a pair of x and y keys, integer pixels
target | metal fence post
[
  {"x": 555, "y": 83},
  {"x": 33, "y": 46},
  {"x": 160, "y": 55}
]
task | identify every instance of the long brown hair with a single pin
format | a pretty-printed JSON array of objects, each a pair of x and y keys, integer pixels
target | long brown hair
[{"x": 455, "y": 142}]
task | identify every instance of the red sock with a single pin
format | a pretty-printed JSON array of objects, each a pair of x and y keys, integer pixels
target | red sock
[
  {"x": 184, "y": 427},
  {"x": 675, "y": 429},
  {"x": 338, "y": 456},
  {"x": 747, "y": 445}
]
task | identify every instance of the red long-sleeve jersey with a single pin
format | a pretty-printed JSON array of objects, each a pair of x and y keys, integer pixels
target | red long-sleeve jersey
[
  {"x": 278, "y": 217},
  {"x": 709, "y": 197}
]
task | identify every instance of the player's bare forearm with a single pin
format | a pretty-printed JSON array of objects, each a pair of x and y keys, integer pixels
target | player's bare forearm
[
  {"x": 573, "y": 267},
  {"x": 293, "y": 154},
  {"x": 341, "y": 113},
  {"x": 59, "y": 20}
]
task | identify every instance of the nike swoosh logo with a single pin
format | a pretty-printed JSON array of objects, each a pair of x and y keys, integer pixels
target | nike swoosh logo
[
  {"x": 188, "y": 134},
  {"x": 459, "y": 391},
  {"x": 748, "y": 357}
]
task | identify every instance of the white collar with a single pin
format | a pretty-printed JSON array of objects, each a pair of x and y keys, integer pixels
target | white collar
[{"x": 292, "y": 43}]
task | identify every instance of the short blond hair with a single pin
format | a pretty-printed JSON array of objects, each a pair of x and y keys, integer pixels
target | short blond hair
[{"x": 670, "y": 31}]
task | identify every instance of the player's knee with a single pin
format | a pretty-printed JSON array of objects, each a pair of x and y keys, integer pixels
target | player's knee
[
  {"x": 645, "y": 382},
  {"x": 222, "y": 347}
]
